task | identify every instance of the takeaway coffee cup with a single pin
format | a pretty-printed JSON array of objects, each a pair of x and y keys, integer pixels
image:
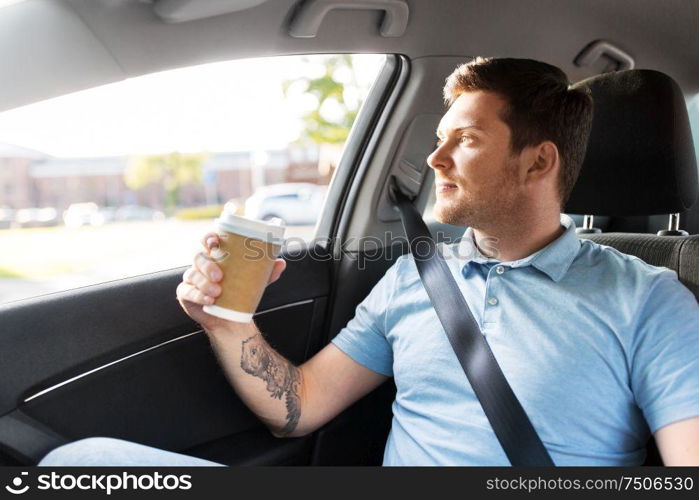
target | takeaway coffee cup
[{"x": 246, "y": 254}]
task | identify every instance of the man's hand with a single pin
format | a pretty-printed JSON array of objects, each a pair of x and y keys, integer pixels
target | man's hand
[{"x": 200, "y": 284}]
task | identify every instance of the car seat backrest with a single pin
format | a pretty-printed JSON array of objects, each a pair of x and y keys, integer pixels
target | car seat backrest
[
  {"x": 640, "y": 157},
  {"x": 689, "y": 264},
  {"x": 640, "y": 161},
  {"x": 679, "y": 253}
]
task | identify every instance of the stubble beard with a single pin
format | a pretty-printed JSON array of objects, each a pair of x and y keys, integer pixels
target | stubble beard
[{"x": 485, "y": 210}]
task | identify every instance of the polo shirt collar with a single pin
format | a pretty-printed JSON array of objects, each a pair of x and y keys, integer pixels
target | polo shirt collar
[{"x": 553, "y": 260}]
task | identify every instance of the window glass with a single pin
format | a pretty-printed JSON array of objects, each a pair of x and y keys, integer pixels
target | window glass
[
  {"x": 693, "y": 109},
  {"x": 428, "y": 214},
  {"x": 93, "y": 184}
]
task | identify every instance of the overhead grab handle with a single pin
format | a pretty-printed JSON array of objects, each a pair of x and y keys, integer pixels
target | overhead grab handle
[
  {"x": 310, "y": 15},
  {"x": 620, "y": 60}
]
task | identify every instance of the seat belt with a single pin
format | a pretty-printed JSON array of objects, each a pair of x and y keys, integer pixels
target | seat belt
[{"x": 512, "y": 427}]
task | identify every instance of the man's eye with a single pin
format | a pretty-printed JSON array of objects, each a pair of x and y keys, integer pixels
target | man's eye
[
  {"x": 465, "y": 138},
  {"x": 439, "y": 141}
]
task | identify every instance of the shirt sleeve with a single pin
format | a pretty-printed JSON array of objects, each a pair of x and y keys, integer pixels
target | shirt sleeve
[
  {"x": 364, "y": 338},
  {"x": 665, "y": 364}
]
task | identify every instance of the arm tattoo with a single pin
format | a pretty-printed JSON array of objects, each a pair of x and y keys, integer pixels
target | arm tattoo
[{"x": 282, "y": 377}]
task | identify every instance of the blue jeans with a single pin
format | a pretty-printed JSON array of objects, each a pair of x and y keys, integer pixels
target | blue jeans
[{"x": 103, "y": 451}]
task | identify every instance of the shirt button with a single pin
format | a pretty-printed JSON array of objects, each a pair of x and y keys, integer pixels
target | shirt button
[
  {"x": 500, "y": 269},
  {"x": 492, "y": 301}
]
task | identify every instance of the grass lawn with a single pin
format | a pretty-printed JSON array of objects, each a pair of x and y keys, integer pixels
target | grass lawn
[{"x": 9, "y": 273}]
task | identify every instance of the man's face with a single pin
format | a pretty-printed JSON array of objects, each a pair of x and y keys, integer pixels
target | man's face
[{"x": 476, "y": 175}]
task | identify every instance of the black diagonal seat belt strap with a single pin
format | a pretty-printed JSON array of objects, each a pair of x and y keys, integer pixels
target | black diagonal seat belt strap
[{"x": 512, "y": 427}]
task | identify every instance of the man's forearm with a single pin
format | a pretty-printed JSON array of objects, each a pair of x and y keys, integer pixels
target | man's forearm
[{"x": 270, "y": 385}]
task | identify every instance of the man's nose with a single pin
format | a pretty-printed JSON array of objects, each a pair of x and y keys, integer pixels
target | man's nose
[{"x": 439, "y": 158}]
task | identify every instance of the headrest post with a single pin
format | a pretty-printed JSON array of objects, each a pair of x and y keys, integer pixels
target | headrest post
[
  {"x": 673, "y": 227},
  {"x": 674, "y": 224},
  {"x": 588, "y": 221}
]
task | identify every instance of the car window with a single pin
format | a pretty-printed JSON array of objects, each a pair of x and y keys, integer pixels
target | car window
[
  {"x": 92, "y": 184},
  {"x": 428, "y": 214},
  {"x": 693, "y": 110},
  {"x": 285, "y": 197}
]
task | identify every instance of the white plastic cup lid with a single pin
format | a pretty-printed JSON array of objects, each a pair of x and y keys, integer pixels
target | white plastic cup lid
[{"x": 271, "y": 232}]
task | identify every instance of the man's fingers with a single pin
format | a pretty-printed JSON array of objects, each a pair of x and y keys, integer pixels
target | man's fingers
[
  {"x": 210, "y": 240},
  {"x": 194, "y": 277},
  {"x": 277, "y": 270},
  {"x": 188, "y": 292},
  {"x": 207, "y": 267}
]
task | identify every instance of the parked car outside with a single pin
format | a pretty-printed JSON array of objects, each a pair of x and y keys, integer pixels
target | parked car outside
[
  {"x": 90, "y": 214},
  {"x": 7, "y": 217},
  {"x": 81, "y": 214},
  {"x": 138, "y": 212},
  {"x": 295, "y": 203},
  {"x": 37, "y": 217}
]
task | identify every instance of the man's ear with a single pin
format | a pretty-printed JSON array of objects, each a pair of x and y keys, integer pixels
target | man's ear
[{"x": 543, "y": 160}]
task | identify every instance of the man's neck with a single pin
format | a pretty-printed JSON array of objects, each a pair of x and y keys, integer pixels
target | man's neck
[{"x": 519, "y": 240}]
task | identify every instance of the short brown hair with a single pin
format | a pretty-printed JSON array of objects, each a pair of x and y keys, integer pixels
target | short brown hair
[{"x": 541, "y": 106}]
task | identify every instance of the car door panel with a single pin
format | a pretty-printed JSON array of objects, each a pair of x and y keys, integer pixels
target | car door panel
[
  {"x": 118, "y": 359},
  {"x": 358, "y": 435}
]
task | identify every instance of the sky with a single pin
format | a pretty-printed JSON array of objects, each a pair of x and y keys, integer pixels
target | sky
[{"x": 229, "y": 106}]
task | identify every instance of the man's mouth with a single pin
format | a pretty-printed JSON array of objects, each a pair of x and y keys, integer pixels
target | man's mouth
[{"x": 444, "y": 187}]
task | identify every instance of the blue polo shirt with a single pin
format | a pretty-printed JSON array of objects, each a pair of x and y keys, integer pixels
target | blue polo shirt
[{"x": 600, "y": 348}]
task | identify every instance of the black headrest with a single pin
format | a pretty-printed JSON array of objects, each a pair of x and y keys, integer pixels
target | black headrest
[{"x": 640, "y": 159}]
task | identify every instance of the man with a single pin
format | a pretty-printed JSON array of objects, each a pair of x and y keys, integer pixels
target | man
[{"x": 598, "y": 346}]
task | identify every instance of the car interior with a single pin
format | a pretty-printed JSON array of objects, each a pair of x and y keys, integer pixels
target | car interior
[{"x": 122, "y": 359}]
